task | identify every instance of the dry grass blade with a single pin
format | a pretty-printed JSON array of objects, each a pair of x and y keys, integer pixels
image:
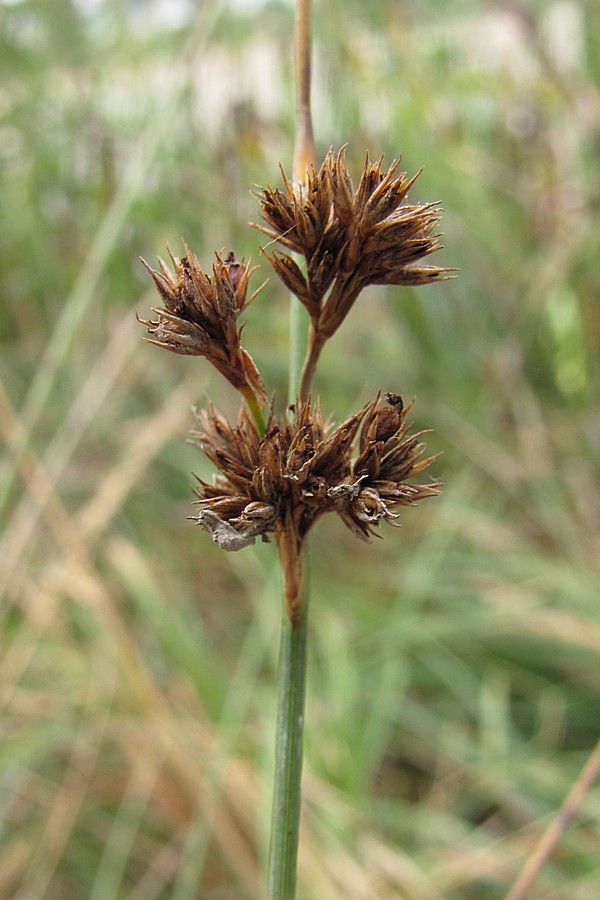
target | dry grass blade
[
  {"x": 548, "y": 841},
  {"x": 43, "y": 478}
]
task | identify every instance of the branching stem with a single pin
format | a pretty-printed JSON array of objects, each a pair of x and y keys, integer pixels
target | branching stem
[
  {"x": 315, "y": 345},
  {"x": 254, "y": 407}
]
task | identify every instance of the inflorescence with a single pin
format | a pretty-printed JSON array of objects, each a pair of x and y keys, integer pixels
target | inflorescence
[{"x": 277, "y": 475}]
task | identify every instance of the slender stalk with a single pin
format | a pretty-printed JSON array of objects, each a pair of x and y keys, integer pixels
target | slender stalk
[
  {"x": 254, "y": 407},
  {"x": 304, "y": 156},
  {"x": 315, "y": 345},
  {"x": 285, "y": 818},
  {"x": 297, "y": 349},
  {"x": 304, "y": 152}
]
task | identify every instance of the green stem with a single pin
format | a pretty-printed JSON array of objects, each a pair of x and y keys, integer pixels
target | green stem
[
  {"x": 285, "y": 819},
  {"x": 291, "y": 676},
  {"x": 315, "y": 345},
  {"x": 297, "y": 346},
  {"x": 255, "y": 410}
]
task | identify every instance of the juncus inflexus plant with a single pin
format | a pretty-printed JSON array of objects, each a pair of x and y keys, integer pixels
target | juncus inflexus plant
[{"x": 279, "y": 472}]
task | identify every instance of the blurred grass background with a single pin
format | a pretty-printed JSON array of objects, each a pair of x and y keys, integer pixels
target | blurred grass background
[{"x": 455, "y": 666}]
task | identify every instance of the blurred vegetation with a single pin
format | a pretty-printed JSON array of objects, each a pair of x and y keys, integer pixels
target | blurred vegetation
[{"x": 454, "y": 683}]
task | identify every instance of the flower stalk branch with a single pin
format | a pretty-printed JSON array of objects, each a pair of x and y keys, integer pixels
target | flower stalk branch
[{"x": 316, "y": 342}]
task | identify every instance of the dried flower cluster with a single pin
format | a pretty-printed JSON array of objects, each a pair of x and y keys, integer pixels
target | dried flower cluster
[
  {"x": 350, "y": 238},
  {"x": 281, "y": 476},
  {"x": 284, "y": 481},
  {"x": 200, "y": 313}
]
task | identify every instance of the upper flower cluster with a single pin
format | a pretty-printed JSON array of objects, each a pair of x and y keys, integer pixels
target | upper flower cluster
[{"x": 350, "y": 238}]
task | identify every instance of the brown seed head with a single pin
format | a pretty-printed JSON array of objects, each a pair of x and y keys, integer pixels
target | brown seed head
[
  {"x": 285, "y": 481},
  {"x": 200, "y": 313},
  {"x": 350, "y": 238}
]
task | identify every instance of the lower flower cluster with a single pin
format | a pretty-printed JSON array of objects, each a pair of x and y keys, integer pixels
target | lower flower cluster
[{"x": 284, "y": 481}]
